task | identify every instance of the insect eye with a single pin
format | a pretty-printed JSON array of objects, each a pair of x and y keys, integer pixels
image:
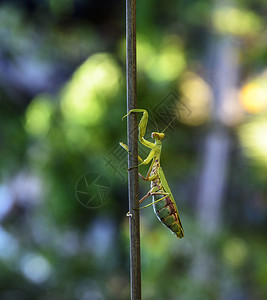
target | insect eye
[{"x": 161, "y": 135}]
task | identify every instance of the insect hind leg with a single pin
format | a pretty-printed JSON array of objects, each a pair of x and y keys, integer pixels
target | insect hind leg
[{"x": 152, "y": 194}]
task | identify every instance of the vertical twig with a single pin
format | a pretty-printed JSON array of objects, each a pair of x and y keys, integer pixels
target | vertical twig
[{"x": 132, "y": 135}]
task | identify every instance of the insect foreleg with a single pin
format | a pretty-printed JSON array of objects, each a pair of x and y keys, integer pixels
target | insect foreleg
[
  {"x": 143, "y": 122},
  {"x": 147, "y": 160},
  {"x": 142, "y": 127},
  {"x": 125, "y": 147},
  {"x": 150, "y": 156},
  {"x": 147, "y": 178},
  {"x": 146, "y": 143}
]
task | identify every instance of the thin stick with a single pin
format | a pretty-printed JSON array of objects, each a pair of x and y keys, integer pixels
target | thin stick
[{"x": 132, "y": 135}]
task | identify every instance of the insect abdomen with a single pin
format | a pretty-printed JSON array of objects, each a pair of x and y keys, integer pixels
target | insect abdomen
[{"x": 167, "y": 214}]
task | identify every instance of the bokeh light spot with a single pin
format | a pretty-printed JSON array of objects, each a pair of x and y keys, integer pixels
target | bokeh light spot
[
  {"x": 253, "y": 96},
  {"x": 235, "y": 252},
  {"x": 253, "y": 136},
  {"x": 84, "y": 97},
  {"x": 38, "y": 115},
  {"x": 35, "y": 268},
  {"x": 197, "y": 95},
  {"x": 166, "y": 64},
  {"x": 228, "y": 19}
]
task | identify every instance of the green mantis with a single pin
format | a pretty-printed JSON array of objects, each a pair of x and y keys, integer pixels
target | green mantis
[{"x": 162, "y": 199}]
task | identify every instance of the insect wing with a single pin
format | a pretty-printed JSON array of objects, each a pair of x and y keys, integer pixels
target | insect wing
[{"x": 167, "y": 189}]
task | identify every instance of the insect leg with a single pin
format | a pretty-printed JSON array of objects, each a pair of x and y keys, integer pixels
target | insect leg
[
  {"x": 146, "y": 196},
  {"x": 143, "y": 122},
  {"x": 147, "y": 160},
  {"x": 125, "y": 147},
  {"x": 147, "y": 178},
  {"x": 142, "y": 199},
  {"x": 152, "y": 194},
  {"x": 142, "y": 127}
]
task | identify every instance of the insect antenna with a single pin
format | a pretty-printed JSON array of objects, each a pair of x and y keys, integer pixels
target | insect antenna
[{"x": 168, "y": 124}]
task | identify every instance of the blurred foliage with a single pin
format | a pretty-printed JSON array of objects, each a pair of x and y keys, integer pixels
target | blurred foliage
[{"x": 62, "y": 96}]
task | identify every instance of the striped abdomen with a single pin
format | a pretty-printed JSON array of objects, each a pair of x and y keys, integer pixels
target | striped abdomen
[{"x": 168, "y": 215}]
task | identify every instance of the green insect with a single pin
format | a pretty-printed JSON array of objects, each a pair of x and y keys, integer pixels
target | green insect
[{"x": 162, "y": 199}]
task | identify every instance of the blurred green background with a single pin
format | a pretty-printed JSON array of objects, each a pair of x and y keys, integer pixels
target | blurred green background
[{"x": 62, "y": 96}]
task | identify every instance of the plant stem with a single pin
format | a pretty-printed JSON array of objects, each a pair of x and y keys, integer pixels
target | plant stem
[{"x": 132, "y": 135}]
